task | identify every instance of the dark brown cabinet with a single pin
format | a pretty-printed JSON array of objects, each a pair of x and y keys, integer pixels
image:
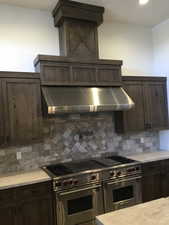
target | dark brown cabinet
[
  {"x": 155, "y": 180},
  {"x": 36, "y": 212},
  {"x": 151, "y": 110},
  {"x": 165, "y": 177},
  {"x": 155, "y": 98},
  {"x": 151, "y": 181},
  {"x": 8, "y": 215},
  {"x": 28, "y": 205},
  {"x": 21, "y": 115}
]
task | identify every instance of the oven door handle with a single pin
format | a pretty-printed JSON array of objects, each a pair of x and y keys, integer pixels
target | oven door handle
[
  {"x": 79, "y": 190},
  {"x": 124, "y": 180}
]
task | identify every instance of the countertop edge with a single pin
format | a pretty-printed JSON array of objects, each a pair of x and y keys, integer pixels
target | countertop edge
[
  {"x": 24, "y": 184},
  {"x": 158, "y": 155},
  {"x": 23, "y": 179}
]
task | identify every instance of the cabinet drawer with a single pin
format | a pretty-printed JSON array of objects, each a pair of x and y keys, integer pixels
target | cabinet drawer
[
  {"x": 7, "y": 197},
  {"x": 33, "y": 191},
  {"x": 151, "y": 168}
]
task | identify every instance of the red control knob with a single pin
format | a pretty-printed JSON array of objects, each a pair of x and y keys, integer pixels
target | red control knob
[
  {"x": 70, "y": 182},
  {"x": 76, "y": 182}
]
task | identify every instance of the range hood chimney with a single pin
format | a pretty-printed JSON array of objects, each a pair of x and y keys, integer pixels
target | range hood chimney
[
  {"x": 78, "y": 81},
  {"x": 78, "y": 23}
]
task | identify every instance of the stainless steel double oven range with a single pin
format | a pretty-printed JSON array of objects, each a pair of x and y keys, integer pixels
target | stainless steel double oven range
[{"x": 92, "y": 187}]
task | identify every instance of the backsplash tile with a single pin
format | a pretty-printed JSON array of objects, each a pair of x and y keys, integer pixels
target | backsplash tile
[{"x": 76, "y": 137}]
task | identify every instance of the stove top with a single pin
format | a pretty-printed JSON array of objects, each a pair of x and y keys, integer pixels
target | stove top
[
  {"x": 74, "y": 167},
  {"x": 87, "y": 165}
]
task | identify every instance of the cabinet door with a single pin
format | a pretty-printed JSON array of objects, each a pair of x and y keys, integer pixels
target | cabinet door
[
  {"x": 22, "y": 108},
  {"x": 156, "y": 109},
  {"x": 2, "y": 134},
  {"x": 151, "y": 181},
  {"x": 165, "y": 184},
  {"x": 132, "y": 120},
  {"x": 151, "y": 187},
  {"x": 36, "y": 212},
  {"x": 8, "y": 215},
  {"x": 135, "y": 117}
]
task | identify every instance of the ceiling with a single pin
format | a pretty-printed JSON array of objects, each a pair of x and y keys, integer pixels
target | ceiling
[{"x": 124, "y": 11}]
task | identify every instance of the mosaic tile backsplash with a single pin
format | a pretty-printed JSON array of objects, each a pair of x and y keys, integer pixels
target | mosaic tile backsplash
[{"x": 76, "y": 137}]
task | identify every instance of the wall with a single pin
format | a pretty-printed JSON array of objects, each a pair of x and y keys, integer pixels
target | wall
[
  {"x": 161, "y": 64},
  {"x": 69, "y": 139},
  {"x": 25, "y": 33},
  {"x": 133, "y": 44}
]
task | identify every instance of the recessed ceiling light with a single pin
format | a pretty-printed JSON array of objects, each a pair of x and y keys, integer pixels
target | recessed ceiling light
[{"x": 143, "y": 2}]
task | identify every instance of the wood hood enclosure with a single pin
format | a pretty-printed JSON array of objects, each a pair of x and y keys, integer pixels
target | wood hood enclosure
[{"x": 78, "y": 66}]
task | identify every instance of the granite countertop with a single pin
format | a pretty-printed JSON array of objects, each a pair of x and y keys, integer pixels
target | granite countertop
[
  {"x": 149, "y": 156},
  {"x": 150, "y": 213},
  {"x": 22, "y": 179}
]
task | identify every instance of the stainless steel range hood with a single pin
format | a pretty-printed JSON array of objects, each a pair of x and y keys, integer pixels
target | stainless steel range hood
[{"x": 86, "y": 99}]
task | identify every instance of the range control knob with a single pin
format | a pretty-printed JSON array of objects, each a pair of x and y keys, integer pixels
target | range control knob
[
  {"x": 93, "y": 177},
  {"x": 137, "y": 168},
  {"x": 65, "y": 182},
  {"x": 112, "y": 173},
  {"x": 58, "y": 184},
  {"x": 119, "y": 173}
]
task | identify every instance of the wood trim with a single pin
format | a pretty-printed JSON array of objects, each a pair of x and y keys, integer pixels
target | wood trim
[
  {"x": 82, "y": 84},
  {"x": 8, "y": 74},
  {"x": 77, "y": 10},
  {"x": 63, "y": 59},
  {"x": 144, "y": 78}
]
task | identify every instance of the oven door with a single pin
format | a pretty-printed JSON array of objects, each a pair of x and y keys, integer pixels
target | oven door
[
  {"x": 121, "y": 194},
  {"x": 79, "y": 206}
]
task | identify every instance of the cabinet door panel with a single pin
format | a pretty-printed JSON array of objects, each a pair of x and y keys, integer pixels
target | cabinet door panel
[
  {"x": 56, "y": 73},
  {"x": 165, "y": 184},
  {"x": 151, "y": 187},
  {"x": 107, "y": 74},
  {"x": 36, "y": 212},
  {"x": 84, "y": 74},
  {"x": 156, "y": 105},
  {"x": 7, "y": 215},
  {"x": 22, "y": 109},
  {"x": 135, "y": 117}
]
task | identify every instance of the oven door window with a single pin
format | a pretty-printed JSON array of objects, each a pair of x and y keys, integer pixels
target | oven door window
[
  {"x": 80, "y": 204},
  {"x": 122, "y": 194}
]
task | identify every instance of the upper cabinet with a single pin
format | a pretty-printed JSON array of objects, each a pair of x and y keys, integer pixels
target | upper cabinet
[
  {"x": 58, "y": 70},
  {"x": 151, "y": 110},
  {"x": 21, "y": 114}
]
